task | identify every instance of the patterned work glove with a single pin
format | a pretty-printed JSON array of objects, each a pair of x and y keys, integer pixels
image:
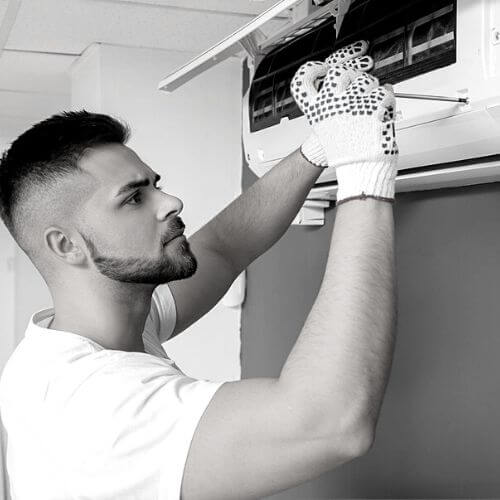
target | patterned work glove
[
  {"x": 350, "y": 56},
  {"x": 353, "y": 119}
]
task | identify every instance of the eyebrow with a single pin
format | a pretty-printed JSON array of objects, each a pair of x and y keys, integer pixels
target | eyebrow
[{"x": 136, "y": 184}]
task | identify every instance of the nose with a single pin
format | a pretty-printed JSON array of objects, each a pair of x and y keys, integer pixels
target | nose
[{"x": 170, "y": 206}]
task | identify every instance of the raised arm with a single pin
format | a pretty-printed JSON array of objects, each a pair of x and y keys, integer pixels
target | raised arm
[
  {"x": 260, "y": 436},
  {"x": 256, "y": 220},
  {"x": 342, "y": 358},
  {"x": 272, "y": 434}
]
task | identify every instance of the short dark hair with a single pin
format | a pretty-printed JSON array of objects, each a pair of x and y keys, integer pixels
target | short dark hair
[{"x": 42, "y": 157}]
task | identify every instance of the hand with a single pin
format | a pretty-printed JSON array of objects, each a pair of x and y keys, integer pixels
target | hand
[
  {"x": 350, "y": 56},
  {"x": 353, "y": 119}
]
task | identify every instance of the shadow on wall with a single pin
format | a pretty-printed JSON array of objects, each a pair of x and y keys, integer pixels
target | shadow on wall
[{"x": 437, "y": 433}]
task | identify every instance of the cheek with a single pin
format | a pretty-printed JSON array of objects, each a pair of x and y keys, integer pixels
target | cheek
[
  {"x": 139, "y": 236},
  {"x": 129, "y": 231}
]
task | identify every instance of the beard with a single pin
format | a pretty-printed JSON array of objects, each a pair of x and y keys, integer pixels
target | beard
[{"x": 175, "y": 263}]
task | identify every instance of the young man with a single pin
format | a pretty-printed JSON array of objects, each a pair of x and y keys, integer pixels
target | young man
[{"x": 91, "y": 405}]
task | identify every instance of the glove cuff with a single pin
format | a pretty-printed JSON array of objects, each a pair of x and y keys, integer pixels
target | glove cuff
[
  {"x": 313, "y": 151},
  {"x": 366, "y": 179},
  {"x": 364, "y": 197}
]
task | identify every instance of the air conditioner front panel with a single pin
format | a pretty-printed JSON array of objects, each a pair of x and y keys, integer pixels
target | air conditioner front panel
[{"x": 471, "y": 134}]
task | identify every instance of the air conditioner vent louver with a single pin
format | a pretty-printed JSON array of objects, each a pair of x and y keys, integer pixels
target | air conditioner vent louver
[
  {"x": 270, "y": 97},
  {"x": 407, "y": 39}
]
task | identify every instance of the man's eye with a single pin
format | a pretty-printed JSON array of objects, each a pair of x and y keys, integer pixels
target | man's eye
[
  {"x": 138, "y": 195},
  {"x": 133, "y": 198}
]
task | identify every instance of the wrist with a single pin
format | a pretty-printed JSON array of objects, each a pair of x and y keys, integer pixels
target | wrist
[
  {"x": 313, "y": 152},
  {"x": 363, "y": 197},
  {"x": 366, "y": 179}
]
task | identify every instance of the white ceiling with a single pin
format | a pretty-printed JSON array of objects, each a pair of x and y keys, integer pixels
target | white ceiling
[
  {"x": 48, "y": 35},
  {"x": 69, "y": 26},
  {"x": 242, "y": 7}
]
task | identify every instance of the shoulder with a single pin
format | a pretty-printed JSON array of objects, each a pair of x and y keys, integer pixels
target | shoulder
[{"x": 163, "y": 313}]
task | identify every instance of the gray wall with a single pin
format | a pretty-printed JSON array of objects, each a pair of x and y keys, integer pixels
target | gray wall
[{"x": 437, "y": 435}]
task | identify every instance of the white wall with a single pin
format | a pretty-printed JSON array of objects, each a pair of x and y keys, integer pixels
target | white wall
[
  {"x": 192, "y": 137},
  {"x": 32, "y": 87},
  {"x": 22, "y": 289},
  {"x": 7, "y": 289}
]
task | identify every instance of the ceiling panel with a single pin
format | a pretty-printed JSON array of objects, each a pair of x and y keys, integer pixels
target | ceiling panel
[
  {"x": 246, "y": 7},
  {"x": 3, "y": 9},
  {"x": 71, "y": 26},
  {"x": 48, "y": 35},
  {"x": 8, "y": 15}
]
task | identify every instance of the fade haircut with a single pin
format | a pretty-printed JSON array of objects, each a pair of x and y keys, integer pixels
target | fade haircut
[{"x": 40, "y": 180}]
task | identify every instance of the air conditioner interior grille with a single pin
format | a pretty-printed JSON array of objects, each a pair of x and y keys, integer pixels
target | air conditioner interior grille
[
  {"x": 270, "y": 97},
  {"x": 406, "y": 39}
]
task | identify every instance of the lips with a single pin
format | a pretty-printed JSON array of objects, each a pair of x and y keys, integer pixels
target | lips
[
  {"x": 180, "y": 233},
  {"x": 177, "y": 224}
]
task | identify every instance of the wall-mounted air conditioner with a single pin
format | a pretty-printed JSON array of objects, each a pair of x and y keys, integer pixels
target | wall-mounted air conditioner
[
  {"x": 440, "y": 47},
  {"x": 443, "y": 47}
]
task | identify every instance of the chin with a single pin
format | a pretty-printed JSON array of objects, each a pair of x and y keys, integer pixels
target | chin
[
  {"x": 184, "y": 247},
  {"x": 184, "y": 262}
]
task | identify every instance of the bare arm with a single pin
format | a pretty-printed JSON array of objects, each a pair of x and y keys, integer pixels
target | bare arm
[
  {"x": 260, "y": 436},
  {"x": 342, "y": 358},
  {"x": 259, "y": 217},
  {"x": 239, "y": 234},
  {"x": 323, "y": 409}
]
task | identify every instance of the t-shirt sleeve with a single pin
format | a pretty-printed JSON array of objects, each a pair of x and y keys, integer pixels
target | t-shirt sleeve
[
  {"x": 126, "y": 430},
  {"x": 163, "y": 312}
]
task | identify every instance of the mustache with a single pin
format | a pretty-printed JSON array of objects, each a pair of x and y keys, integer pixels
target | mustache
[{"x": 175, "y": 230}]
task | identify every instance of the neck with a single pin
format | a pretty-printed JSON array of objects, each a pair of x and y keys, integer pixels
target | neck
[{"x": 113, "y": 320}]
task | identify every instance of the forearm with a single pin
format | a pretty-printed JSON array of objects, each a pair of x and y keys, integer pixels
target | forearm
[
  {"x": 258, "y": 218},
  {"x": 340, "y": 364}
]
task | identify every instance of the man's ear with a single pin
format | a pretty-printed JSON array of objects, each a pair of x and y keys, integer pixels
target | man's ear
[{"x": 62, "y": 246}]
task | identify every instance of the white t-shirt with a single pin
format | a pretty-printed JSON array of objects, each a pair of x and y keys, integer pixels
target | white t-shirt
[{"x": 84, "y": 422}]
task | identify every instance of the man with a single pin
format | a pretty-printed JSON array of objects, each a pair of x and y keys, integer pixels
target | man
[{"x": 92, "y": 406}]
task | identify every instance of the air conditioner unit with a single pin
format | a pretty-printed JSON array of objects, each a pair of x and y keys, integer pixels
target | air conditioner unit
[{"x": 444, "y": 47}]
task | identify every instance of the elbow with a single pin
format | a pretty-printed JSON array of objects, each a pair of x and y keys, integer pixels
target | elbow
[
  {"x": 360, "y": 443},
  {"x": 360, "y": 436},
  {"x": 346, "y": 447},
  {"x": 356, "y": 440},
  {"x": 350, "y": 433}
]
